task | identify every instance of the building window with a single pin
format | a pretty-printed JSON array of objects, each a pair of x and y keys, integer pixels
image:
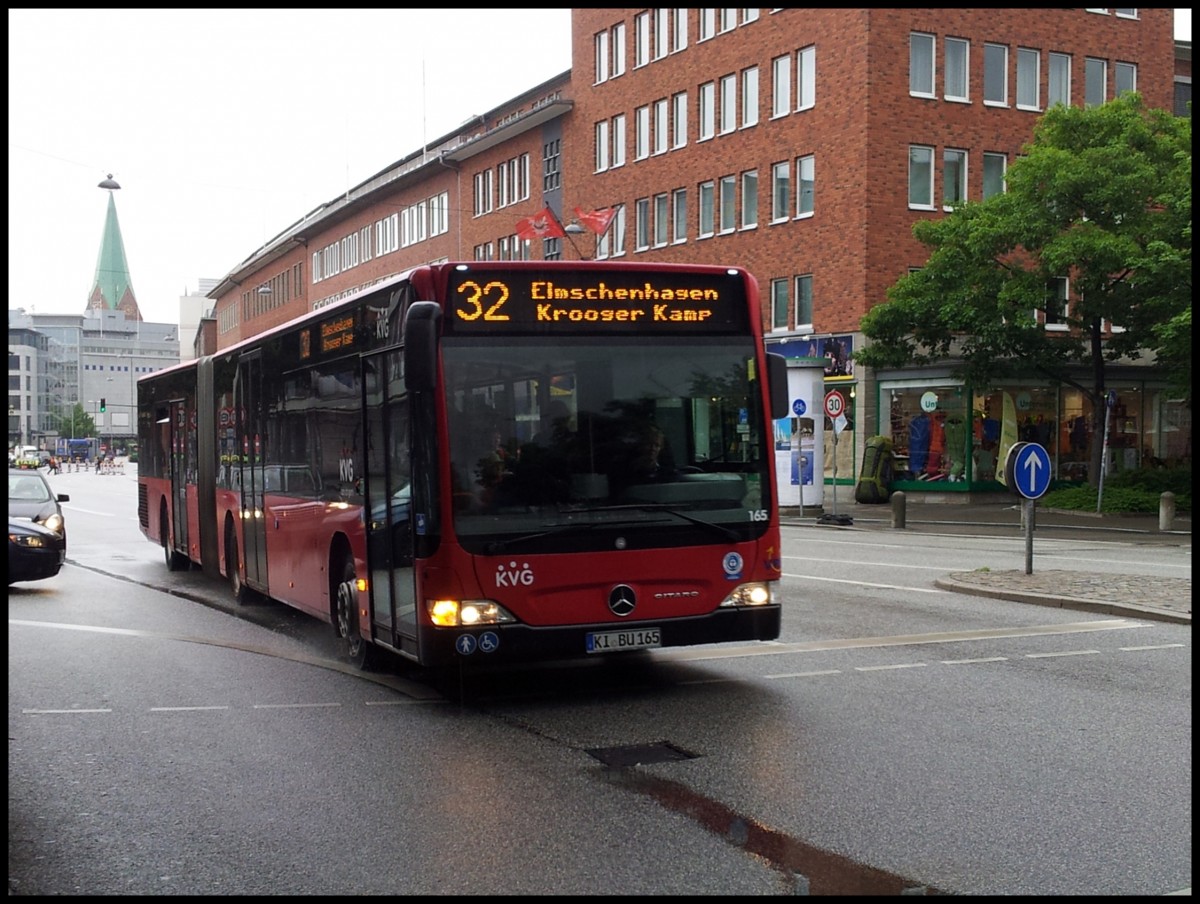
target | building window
[
  {"x": 551, "y": 163},
  {"x": 661, "y": 126},
  {"x": 661, "y": 17},
  {"x": 679, "y": 126},
  {"x": 1126, "y": 77},
  {"x": 920, "y": 64},
  {"x": 601, "y": 146},
  {"x": 954, "y": 177},
  {"x": 679, "y": 27},
  {"x": 728, "y": 203},
  {"x": 1095, "y": 77},
  {"x": 804, "y": 302},
  {"x": 995, "y": 74},
  {"x": 920, "y": 177},
  {"x": 483, "y": 192},
  {"x": 641, "y": 40},
  {"x": 1054, "y": 316},
  {"x": 708, "y": 24},
  {"x": 806, "y": 78},
  {"x": 728, "y": 103},
  {"x": 779, "y": 304},
  {"x": 958, "y": 62},
  {"x": 618, "y": 49},
  {"x": 601, "y": 52},
  {"x": 781, "y": 86},
  {"x": 728, "y": 19},
  {"x": 641, "y": 133},
  {"x": 781, "y": 191},
  {"x": 618, "y": 140},
  {"x": 994, "y": 166},
  {"x": 750, "y": 96},
  {"x": 616, "y": 230},
  {"x": 806, "y": 185},
  {"x": 679, "y": 215},
  {"x": 1059, "y": 89},
  {"x": 1029, "y": 78},
  {"x": 641, "y": 224},
  {"x": 660, "y": 220},
  {"x": 707, "y": 112},
  {"x": 706, "y": 209},
  {"x": 749, "y": 199}
]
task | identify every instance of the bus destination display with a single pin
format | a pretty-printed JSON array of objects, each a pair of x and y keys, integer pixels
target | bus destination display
[{"x": 591, "y": 301}]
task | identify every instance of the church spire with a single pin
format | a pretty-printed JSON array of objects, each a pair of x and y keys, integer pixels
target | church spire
[{"x": 112, "y": 288}]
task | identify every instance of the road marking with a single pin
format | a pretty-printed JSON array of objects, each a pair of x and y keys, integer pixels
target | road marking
[
  {"x": 60, "y": 712},
  {"x": 815, "y": 674},
  {"x": 183, "y": 709},
  {"x": 886, "y": 668},
  {"x": 974, "y": 661},
  {"x": 1063, "y": 653},
  {"x": 1160, "y": 646}
]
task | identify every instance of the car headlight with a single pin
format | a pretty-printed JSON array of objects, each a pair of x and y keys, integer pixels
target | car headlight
[
  {"x": 32, "y": 541},
  {"x": 56, "y": 523},
  {"x": 757, "y": 593}
]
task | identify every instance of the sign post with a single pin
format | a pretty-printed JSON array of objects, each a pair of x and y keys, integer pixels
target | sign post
[
  {"x": 1027, "y": 471},
  {"x": 835, "y": 410}
]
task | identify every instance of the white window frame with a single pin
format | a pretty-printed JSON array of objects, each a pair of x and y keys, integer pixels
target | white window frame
[
  {"x": 781, "y": 191},
  {"x": 616, "y": 230},
  {"x": 1063, "y": 294},
  {"x": 617, "y": 158},
  {"x": 956, "y": 66},
  {"x": 922, "y": 64},
  {"x": 1095, "y": 76},
  {"x": 679, "y": 28},
  {"x": 726, "y": 19},
  {"x": 728, "y": 110},
  {"x": 661, "y": 224},
  {"x": 602, "y": 146},
  {"x": 991, "y": 160},
  {"x": 781, "y": 86},
  {"x": 1029, "y": 79},
  {"x": 749, "y": 199},
  {"x": 954, "y": 177},
  {"x": 749, "y": 97},
  {"x": 706, "y": 27},
  {"x": 727, "y": 204},
  {"x": 780, "y": 304},
  {"x": 679, "y": 120},
  {"x": 600, "y": 48},
  {"x": 661, "y": 20},
  {"x": 641, "y": 40},
  {"x": 803, "y": 294},
  {"x": 1127, "y": 73},
  {"x": 806, "y": 78},
  {"x": 679, "y": 216},
  {"x": 618, "y": 49},
  {"x": 920, "y": 163},
  {"x": 806, "y": 174},
  {"x": 1058, "y": 90},
  {"x": 705, "y": 210},
  {"x": 641, "y": 133},
  {"x": 995, "y": 94},
  {"x": 662, "y": 126},
  {"x": 641, "y": 224},
  {"x": 706, "y": 110}
]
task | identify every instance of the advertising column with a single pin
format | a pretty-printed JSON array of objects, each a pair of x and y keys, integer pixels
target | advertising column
[{"x": 799, "y": 438}]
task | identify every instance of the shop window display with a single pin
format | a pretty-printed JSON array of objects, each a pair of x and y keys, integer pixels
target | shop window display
[{"x": 930, "y": 430}]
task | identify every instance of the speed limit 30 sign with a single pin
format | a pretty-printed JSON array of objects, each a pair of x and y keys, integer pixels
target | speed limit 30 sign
[{"x": 835, "y": 404}]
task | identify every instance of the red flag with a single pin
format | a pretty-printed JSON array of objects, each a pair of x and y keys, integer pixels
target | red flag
[
  {"x": 596, "y": 220},
  {"x": 542, "y": 225}
]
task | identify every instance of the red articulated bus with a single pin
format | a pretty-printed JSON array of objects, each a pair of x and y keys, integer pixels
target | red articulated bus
[{"x": 487, "y": 461}]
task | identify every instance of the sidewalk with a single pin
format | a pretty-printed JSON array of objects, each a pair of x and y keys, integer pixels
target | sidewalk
[{"x": 1134, "y": 596}]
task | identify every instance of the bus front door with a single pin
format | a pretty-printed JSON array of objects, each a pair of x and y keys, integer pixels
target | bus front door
[
  {"x": 178, "y": 473},
  {"x": 388, "y": 502}
]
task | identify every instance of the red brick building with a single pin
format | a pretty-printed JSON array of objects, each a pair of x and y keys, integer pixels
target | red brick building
[{"x": 799, "y": 143}]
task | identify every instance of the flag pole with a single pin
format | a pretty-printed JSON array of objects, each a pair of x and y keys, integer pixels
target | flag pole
[{"x": 567, "y": 233}]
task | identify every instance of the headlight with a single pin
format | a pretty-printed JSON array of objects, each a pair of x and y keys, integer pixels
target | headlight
[
  {"x": 467, "y": 613},
  {"x": 55, "y": 523},
  {"x": 29, "y": 542},
  {"x": 759, "y": 593}
]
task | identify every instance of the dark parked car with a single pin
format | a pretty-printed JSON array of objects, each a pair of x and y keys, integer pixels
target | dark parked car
[
  {"x": 34, "y": 552},
  {"x": 31, "y": 497}
]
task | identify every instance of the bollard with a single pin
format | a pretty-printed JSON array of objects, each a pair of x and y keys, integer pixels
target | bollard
[
  {"x": 899, "y": 505},
  {"x": 1166, "y": 510}
]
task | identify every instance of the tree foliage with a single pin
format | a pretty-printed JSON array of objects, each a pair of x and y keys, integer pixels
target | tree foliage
[{"x": 1102, "y": 196}]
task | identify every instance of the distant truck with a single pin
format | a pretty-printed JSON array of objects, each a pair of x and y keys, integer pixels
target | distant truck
[{"x": 77, "y": 448}]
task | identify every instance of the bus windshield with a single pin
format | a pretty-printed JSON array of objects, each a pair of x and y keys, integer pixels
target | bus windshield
[{"x": 570, "y": 441}]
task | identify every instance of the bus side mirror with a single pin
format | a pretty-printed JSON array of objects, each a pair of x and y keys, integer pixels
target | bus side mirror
[
  {"x": 421, "y": 326},
  {"x": 777, "y": 385}
]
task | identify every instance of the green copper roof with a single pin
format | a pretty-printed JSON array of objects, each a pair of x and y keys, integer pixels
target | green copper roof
[{"x": 112, "y": 272}]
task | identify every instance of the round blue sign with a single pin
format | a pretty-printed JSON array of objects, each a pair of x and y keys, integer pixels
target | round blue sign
[{"x": 798, "y": 407}]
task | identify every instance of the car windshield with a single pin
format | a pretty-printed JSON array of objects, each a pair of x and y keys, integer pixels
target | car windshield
[{"x": 26, "y": 488}]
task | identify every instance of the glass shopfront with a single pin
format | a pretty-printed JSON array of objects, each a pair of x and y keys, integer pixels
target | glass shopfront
[{"x": 951, "y": 438}]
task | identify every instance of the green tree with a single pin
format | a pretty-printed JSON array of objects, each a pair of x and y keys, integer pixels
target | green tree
[{"x": 1103, "y": 197}]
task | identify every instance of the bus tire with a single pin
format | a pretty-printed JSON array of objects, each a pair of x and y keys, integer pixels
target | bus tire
[
  {"x": 174, "y": 560},
  {"x": 233, "y": 570},
  {"x": 357, "y": 651}
]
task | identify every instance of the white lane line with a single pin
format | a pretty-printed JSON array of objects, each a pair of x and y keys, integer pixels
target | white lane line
[
  {"x": 1160, "y": 646},
  {"x": 815, "y": 674},
  {"x": 183, "y": 709},
  {"x": 1062, "y": 653},
  {"x": 295, "y": 705},
  {"x": 889, "y": 668},
  {"x": 974, "y": 661},
  {"x": 60, "y": 712}
]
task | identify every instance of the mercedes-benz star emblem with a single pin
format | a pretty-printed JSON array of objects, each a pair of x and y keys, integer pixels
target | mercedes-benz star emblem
[{"x": 622, "y": 599}]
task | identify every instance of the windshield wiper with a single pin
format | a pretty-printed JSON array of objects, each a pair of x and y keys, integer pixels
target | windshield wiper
[
  {"x": 495, "y": 546},
  {"x": 726, "y": 532}
]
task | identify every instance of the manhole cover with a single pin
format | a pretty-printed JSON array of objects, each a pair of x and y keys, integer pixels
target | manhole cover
[{"x": 640, "y": 754}]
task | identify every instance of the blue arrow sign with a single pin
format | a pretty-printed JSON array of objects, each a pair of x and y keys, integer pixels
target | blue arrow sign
[{"x": 1031, "y": 470}]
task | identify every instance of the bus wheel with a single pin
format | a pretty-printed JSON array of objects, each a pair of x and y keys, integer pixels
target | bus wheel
[
  {"x": 241, "y": 593},
  {"x": 357, "y": 651},
  {"x": 173, "y": 559}
]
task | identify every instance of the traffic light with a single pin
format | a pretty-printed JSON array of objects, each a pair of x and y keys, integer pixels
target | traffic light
[{"x": 103, "y": 405}]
